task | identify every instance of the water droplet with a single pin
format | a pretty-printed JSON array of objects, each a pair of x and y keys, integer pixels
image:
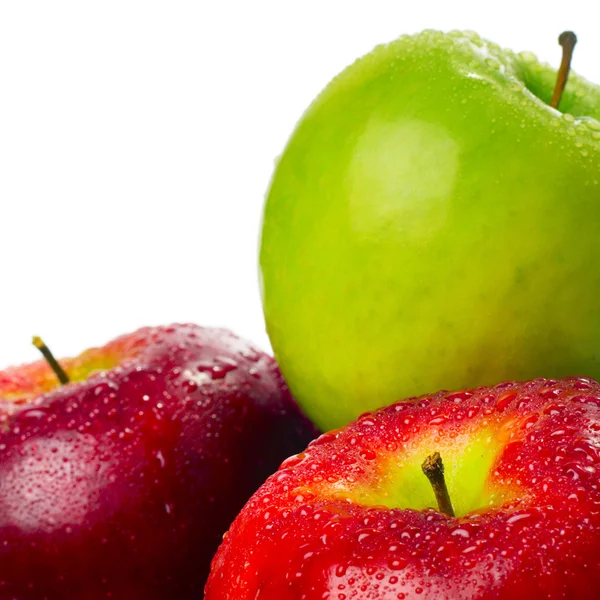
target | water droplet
[
  {"x": 397, "y": 563},
  {"x": 504, "y": 401},
  {"x": 460, "y": 533},
  {"x": 367, "y": 454},
  {"x": 34, "y": 413},
  {"x": 590, "y": 123},
  {"x": 519, "y": 517},
  {"x": 340, "y": 570}
]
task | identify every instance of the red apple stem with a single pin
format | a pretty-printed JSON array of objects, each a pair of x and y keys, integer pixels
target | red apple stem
[
  {"x": 433, "y": 467},
  {"x": 58, "y": 370},
  {"x": 567, "y": 39}
]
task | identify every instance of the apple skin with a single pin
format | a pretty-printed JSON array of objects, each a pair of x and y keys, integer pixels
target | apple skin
[
  {"x": 121, "y": 485},
  {"x": 349, "y": 517},
  {"x": 434, "y": 224}
]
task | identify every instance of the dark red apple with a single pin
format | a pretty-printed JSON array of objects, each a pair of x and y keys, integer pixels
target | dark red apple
[
  {"x": 353, "y": 517},
  {"x": 121, "y": 483}
]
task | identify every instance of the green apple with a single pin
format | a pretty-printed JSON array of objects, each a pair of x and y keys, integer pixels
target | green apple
[{"x": 434, "y": 223}]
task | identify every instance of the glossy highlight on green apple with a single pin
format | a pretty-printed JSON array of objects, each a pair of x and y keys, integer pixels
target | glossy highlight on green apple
[{"x": 433, "y": 223}]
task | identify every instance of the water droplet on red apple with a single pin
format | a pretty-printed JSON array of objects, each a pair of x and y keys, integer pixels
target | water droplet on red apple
[
  {"x": 367, "y": 454},
  {"x": 190, "y": 386},
  {"x": 518, "y": 518},
  {"x": 505, "y": 400},
  {"x": 529, "y": 421},
  {"x": 34, "y": 413},
  {"x": 460, "y": 533},
  {"x": 397, "y": 563},
  {"x": 293, "y": 461}
]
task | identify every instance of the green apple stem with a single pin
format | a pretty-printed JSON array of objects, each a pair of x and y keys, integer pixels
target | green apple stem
[
  {"x": 567, "y": 39},
  {"x": 58, "y": 370},
  {"x": 434, "y": 471}
]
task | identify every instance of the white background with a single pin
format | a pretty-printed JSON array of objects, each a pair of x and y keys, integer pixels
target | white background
[{"x": 137, "y": 140}]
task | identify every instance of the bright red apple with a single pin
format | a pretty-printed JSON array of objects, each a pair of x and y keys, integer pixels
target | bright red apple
[
  {"x": 121, "y": 483},
  {"x": 352, "y": 518}
]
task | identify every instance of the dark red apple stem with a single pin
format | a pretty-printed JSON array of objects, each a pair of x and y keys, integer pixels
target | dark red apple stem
[
  {"x": 58, "y": 370},
  {"x": 567, "y": 39},
  {"x": 433, "y": 467}
]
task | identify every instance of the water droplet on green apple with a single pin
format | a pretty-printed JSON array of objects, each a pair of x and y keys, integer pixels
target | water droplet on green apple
[
  {"x": 591, "y": 123},
  {"x": 528, "y": 57}
]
